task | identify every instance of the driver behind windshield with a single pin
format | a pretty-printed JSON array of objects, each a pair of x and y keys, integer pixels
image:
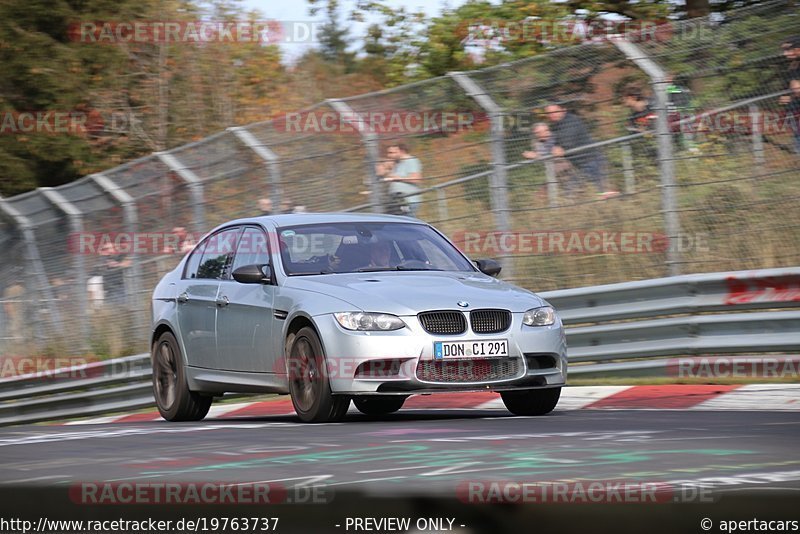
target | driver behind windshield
[{"x": 380, "y": 254}]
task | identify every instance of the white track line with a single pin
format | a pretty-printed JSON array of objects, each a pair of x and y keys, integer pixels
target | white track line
[
  {"x": 777, "y": 397},
  {"x": 571, "y": 398},
  {"x": 770, "y": 397}
]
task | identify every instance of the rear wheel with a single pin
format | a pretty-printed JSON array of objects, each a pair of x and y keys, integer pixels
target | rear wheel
[
  {"x": 170, "y": 387},
  {"x": 379, "y": 405},
  {"x": 531, "y": 401},
  {"x": 308, "y": 381}
]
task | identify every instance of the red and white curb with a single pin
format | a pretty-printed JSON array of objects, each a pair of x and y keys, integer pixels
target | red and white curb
[{"x": 770, "y": 397}]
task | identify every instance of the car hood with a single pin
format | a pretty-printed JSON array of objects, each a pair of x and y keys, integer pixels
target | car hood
[{"x": 408, "y": 293}]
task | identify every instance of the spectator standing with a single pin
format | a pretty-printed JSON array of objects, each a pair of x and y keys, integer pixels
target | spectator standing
[
  {"x": 571, "y": 132},
  {"x": 792, "y": 106},
  {"x": 542, "y": 146},
  {"x": 642, "y": 117},
  {"x": 791, "y": 52},
  {"x": 543, "y": 142},
  {"x": 791, "y": 102},
  {"x": 112, "y": 270},
  {"x": 265, "y": 206},
  {"x": 180, "y": 241},
  {"x": 403, "y": 172}
]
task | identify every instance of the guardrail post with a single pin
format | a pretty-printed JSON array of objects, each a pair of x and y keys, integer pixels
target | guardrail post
[
  {"x": 627, "y": 169},
  {"x": 755, "y": 133},
  {"x": 35, "y": 275},
  {"x": 75, "y": 217},
  {"x": 499, "y": 178},
  {"x": 666, "y": 160},
  {"x": 194, "y": 183},
  {"x": 370, "y": 141},
  {"x": 270, "y": 158},
  {"x": 130, "y": 216}
]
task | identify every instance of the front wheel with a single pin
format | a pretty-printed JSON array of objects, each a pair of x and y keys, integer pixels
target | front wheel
[
  {"x": 170, "y": 388},
  {"x": 308, "y": 381},
  {"x": 531, "y": 401},
  {"x": 379, "y": 405}
]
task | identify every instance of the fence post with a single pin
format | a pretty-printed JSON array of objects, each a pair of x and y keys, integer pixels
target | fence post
[
  {"x": 36, "y": 277},
  {"x": 755, "y": 131},
  {"x": 666, "y": 160},
  {"x": 370, "y": 141},
  {"x": 499, "y": 178},
  {"x": 130, "y": 216},
  {"x": 75, "y": 217},
  {"x": 194, "y": 183},
  {"x": 270, "y": 158},
  {"x": 627, "y": 168},
  {"x": 441, "y": 204},
  {"x": 552, "y": 182}
]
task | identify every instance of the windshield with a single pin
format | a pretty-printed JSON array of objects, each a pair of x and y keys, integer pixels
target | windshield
[{"x": 366, "y": 247}]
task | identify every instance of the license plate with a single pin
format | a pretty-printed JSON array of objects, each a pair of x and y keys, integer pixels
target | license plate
[{"x": 489, "y": 348}]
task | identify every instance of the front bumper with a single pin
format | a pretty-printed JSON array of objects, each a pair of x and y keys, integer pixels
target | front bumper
[{"x": 539, "y": 357}]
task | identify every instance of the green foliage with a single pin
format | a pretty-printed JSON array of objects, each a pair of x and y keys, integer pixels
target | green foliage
[
  {"x": 168, "y": 95},
  {"x": 43, "y": 71},
  {"x": 143, "y": 96},
  {"x": 333, "y": 36}
]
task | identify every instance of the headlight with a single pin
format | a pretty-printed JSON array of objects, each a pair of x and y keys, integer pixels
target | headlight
[
  {"x": 372, "y": 322},
  {"x": 539, "y": 316}
]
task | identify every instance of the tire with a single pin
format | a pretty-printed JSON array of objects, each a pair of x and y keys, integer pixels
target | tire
[
  {"x": 170, "y": 388},
  {"x": 531, "y": 401},
  {"x": 379, "y": 405},
  {"x": 309, "y": 387}
]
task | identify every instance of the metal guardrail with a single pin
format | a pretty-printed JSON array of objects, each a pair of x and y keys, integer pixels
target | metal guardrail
[
  {"x": 700, "y": 367},
  {"x": 731, "y": 291},
  {"x": 611, "y": 330},
  {"x": 118, "y": 385}
]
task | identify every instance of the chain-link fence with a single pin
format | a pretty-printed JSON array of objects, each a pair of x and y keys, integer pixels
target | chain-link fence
[{"x": 613, "y": 160}]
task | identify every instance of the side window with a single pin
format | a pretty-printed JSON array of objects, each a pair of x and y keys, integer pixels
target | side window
[
  {"x": 252, "y": 249},
  {"x": 218, "y": 254},
  {"x": 193, "y": 263}
]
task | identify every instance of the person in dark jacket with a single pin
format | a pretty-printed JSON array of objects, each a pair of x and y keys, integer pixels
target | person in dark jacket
[
  {"x": 571, "y": 132},
  {"x": 791, "y": 52},
  {"x": 642, "y": 117},
  {"x": 792, "y": 110}
]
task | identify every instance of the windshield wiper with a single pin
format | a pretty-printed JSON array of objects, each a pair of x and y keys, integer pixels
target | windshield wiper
[
  {"x": 401, "y": 268},
  {"x": 316, "y": 273},
  {"x": 397, "y": 268},
  {"x": 375, "y": 269}
]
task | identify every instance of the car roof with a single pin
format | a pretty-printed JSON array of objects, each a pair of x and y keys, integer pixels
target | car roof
[{"x": 295, "y": 219}]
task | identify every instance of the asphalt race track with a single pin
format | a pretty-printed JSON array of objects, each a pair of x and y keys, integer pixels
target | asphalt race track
[
  {"x": 729, "y": 462},
  {"x": 418, "y": 451}
]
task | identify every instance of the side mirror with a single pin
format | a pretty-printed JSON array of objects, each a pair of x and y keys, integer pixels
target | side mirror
[
  {"x": 490, "y": 267},
  {"x": 253, "y": 274}
]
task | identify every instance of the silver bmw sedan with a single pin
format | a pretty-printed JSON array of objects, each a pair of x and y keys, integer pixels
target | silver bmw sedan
[{"x": 330, "y": 308}]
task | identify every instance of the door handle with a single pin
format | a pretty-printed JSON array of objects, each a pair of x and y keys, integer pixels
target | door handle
[
  {"x": 183, "y": 298},
  {"x": 222, "y": 301}
]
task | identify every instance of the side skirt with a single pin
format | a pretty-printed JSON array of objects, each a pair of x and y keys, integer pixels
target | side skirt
[{"x": 216, "y": 382}]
